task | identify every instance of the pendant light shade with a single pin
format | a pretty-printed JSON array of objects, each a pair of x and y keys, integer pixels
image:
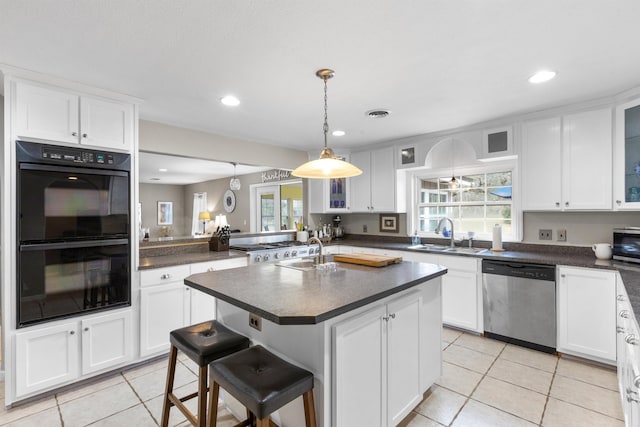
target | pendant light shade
[
  {"x": 328, "y": 165},
  {"x": 234, "y": 184}
]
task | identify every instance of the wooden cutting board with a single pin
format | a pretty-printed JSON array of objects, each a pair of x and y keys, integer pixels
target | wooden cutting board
[{"x": 368, "y": 259}]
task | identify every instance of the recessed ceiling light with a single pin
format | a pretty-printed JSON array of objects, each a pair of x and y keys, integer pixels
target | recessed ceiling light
[
  {"x": 162, "y": 170},
  {"x": 542, "y": 76},
  {"x": 230, "y": 101},
  {"x": 378, "y": 114},
  {"x": 338, "y": 133}
]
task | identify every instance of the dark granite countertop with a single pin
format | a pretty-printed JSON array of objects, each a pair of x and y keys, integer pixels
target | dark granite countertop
[
  {"x": 293, "y": 297},
  {"x": 150, "y": 262}
]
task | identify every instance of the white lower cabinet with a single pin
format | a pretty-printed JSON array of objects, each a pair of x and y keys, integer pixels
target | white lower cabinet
[
  {"x": 163, "y": 308},
  {"x": 51, "y": 356},
  {"x": 376, "y": 361},
  {"x": 167, "y": 304},
  {"x": 462, "y": 293},
  {"x": 628, "y": 341},
  {"x": 586, "y": 303}
]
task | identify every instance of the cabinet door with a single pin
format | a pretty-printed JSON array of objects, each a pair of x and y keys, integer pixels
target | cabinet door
[
  {"x": 541, "y": 165},
  {"x": 587, "y": 151},
  {"x": 203, "y": 306},
  {"x": 48, "y": 357},
  {"x": 359, "y": 362},
  {"x": 45, "y": 113},
  {"x": 162, "y": 309},
  {"x": 461, "y": 293},
  {"x": 106, "y": 341},
  {"x": 586, "y": 313},
  {"x": 106, "y": 123},
  {"x": 383, "y": 181},
  {"x": 361, "y": 184},
  {"x": 403, "y": 349},
  {"x": 627, "y": 156}
]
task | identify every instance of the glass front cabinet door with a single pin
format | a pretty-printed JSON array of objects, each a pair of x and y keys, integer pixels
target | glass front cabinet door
[{"x": 627, "y": 156}]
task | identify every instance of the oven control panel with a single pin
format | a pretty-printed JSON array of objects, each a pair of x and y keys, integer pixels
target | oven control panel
[{"x": 77, "y": 156}]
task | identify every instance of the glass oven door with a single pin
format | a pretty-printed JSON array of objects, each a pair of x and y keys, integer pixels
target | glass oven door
[
  {"x": 58, "y": 280},
  {"x": 61, "y": 203}
]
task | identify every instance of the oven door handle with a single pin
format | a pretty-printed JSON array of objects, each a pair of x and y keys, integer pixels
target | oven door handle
[{"x": 73, "y": 245}]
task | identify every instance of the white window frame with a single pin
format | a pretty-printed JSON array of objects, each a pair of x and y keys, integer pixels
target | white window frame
[
  {"x": 498, "y": 166},
  {"x": 255, "y": 190}
]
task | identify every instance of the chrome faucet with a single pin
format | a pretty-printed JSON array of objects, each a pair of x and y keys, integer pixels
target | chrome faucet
[
  {"x": 320, "y": 255},
  {"x": 437, "y": 230}
]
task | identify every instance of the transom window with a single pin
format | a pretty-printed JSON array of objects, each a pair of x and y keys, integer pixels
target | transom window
[{"x": 475, "y": 203}]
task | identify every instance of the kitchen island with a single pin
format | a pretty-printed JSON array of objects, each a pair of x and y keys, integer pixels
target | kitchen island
[{"x": 371, "y": 336}]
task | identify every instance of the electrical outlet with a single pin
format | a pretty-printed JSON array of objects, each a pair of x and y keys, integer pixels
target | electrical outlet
[
  {"x": 255, "y": 321},
  {"x": 562, "y": 235},
  {"x": 364, "y": 228},
  {"x": 544, "y": 234}
]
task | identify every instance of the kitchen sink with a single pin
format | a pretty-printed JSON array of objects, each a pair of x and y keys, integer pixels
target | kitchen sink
[
  {"x": 466, "y": 250},
  {"x": 429, "y": 247},
  {"x": 298, "y": 264}
]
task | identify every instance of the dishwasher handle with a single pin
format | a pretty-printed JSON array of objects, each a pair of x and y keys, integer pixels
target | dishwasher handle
[{"x": 520, "y": 269}]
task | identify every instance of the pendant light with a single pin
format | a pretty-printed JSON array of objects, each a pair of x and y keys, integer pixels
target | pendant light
[
  {"x": 234, "y": 184},
  {"x": 328, "y": 165}
]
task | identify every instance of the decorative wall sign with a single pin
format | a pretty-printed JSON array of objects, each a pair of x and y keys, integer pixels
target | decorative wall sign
[
  {"x": 275, "y": 175},
  {"x": 165, "y": 213},
  {"x": 408, "y": 155},
  {"x": 389, "y": 223},
  {"x": 229, "y": 201}
]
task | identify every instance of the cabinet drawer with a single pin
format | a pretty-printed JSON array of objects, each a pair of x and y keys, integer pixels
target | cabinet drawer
[
  {"x": 164, "y": 275},
  {"x": 459, "y": 263}
]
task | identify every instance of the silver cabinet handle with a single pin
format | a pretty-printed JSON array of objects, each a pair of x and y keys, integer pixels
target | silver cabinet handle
[
  {"x": 624, "y": 314},
  {"x": 563, "y": 275},
  {"x": 74, "y": 133},
  {"x": 620, "y": 330},
  {"x": 566, "y": 203},
  {"x": 72, "y": 332},
  {"x": 631, "y": 339},
  {"x": 630, "y": 394},
  {"x": 165, "y": 276},
  {"x": 211, "y": 269},
  {"x": 84, "y": 135},
  {"x": 618, "y": 202},
  {"x": 86, "y": 329},
  {"x": 392, "y": 315},
  {"x": 186, "y": 288},
  {"x": 636, "y": 381},
  {"x": 385, "y": 318},
  {"x": 557, "y": 204},
  {"x": 621, "y": 298}
]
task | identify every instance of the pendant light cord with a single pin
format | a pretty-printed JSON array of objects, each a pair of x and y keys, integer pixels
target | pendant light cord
[{"x": 325, "y": 127}]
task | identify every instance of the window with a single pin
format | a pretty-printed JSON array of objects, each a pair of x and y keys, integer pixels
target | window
[
  {"x": 476, "y": 203},
  {"x": 279, "y": 206}
]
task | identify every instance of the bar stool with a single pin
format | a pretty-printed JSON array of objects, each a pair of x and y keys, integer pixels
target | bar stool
[
  {"x": 202, "y": 343},
  {"x": 262, "y": 382}
]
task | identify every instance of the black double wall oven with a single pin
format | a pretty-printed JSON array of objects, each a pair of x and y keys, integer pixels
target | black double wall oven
[{"x": 73, "y": 228}]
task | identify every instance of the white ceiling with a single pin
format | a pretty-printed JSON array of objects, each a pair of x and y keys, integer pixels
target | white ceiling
[
  {"x": 436, "y": 64},
  {"x": 186, "y": 170}
]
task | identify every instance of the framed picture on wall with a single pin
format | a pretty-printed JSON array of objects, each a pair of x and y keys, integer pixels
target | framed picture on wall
[
  {"x": 165, "y": 213},
  {"x": 389, "y": 223}
]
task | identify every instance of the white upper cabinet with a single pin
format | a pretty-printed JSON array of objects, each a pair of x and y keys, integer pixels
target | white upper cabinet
[
  {"x": 375, "y": 189},
  {"x": 566, "y": 162},
  {"x": 45, "y": 113},
  {"x": 541, "y": 164},
  {"x": 331, "y": 195},
  {"x": 52, "y": 114},
  {"x": 627, "y": 156}
]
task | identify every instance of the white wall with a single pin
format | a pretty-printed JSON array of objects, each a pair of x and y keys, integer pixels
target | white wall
[{"x": 161, "y": 138}]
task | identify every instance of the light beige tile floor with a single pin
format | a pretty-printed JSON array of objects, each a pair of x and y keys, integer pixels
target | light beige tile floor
[
  {"x": 487, "y": 383},
  {"x": 484, "y": 383}
]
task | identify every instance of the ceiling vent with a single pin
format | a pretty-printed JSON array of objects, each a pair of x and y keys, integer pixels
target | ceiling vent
[{"x": 378, "y": 114}]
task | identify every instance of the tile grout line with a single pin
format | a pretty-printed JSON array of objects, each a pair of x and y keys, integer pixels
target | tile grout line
[
  {"x": 546, "y": 402},
  {"x": 141, "y": 401},
  {"x": 59, "y": 410}
]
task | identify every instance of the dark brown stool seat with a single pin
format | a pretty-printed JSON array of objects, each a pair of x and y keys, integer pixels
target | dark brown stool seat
[
  {"x": 262, "y": 382},
  {"x": 202, "y": 343}
]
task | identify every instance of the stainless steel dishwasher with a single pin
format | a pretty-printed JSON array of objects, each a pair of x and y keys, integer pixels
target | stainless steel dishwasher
[{"x": 520, "y": 303}]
